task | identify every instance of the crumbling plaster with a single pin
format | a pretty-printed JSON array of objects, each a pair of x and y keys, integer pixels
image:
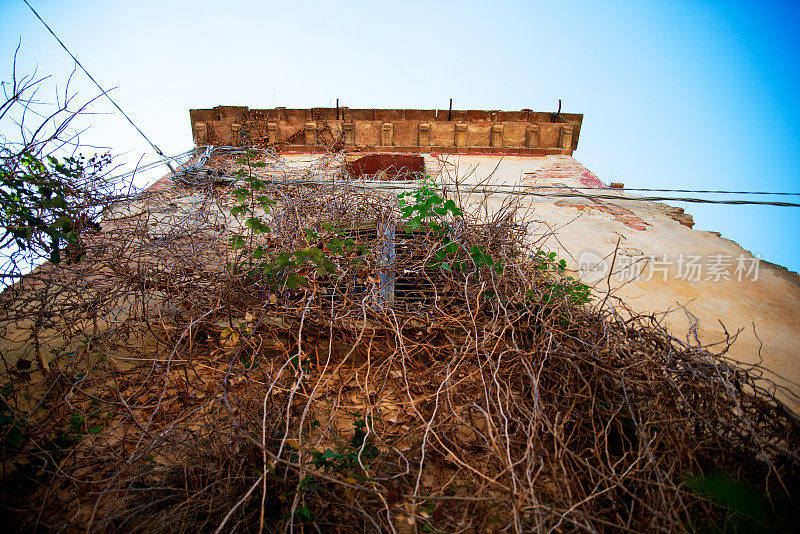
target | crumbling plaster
[{"x": 766, "y": 309}]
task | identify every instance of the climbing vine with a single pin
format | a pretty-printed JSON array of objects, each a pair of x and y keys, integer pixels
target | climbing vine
[{"x": 424, "y": 206}]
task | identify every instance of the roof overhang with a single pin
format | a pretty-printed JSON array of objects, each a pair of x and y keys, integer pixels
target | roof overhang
[{"x": 522, "y": 132}]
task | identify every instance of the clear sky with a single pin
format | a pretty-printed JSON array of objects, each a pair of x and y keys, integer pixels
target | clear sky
[{"x": 676, "y": 94}]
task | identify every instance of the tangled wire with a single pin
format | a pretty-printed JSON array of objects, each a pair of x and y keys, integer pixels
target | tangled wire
[{"x": 187, "y": 394}]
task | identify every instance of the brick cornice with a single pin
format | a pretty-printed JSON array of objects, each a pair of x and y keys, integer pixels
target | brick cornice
[{"x": 388, "y": 130}]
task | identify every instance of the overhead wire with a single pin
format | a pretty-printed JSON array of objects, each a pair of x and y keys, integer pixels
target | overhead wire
[
  {"x": 192, "y": 174},
  {"x": 671, "y": 199},
  {"x": 104, "y": 92},
  {"x": 166, "y": 159},
  {"x": 153, "y": 164},
  {"x": 519, "y": 192},
  {"x": 714, "y": 191}
]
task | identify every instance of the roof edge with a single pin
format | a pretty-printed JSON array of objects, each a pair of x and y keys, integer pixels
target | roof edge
[{"x": 397, "y": 130}]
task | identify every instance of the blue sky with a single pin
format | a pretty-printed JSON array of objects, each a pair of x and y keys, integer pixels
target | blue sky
[{"x": 676, "y": 94}]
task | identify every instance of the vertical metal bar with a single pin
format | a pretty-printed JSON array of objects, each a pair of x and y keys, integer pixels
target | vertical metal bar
[
  {"x": 557, "y": 113},
  {"x": 386, "y": 265},
  {"x": 450, "y": 111}
]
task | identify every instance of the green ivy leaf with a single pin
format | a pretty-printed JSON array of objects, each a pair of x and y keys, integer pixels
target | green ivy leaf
[
  {"x": 284, "y": 259},
  {"x": 293, "y": 281}
]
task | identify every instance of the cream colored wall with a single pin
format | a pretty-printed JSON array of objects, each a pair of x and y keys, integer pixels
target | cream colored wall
[{"x": 766, "y": 310}]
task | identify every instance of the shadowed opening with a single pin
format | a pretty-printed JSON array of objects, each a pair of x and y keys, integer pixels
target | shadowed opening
[{"x": 393, "y": 166}]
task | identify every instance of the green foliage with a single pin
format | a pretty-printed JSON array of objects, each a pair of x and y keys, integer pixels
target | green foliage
[
  {"x": 737, "y": 497},
  {"x": 424, "y": 206},
  {"x": 37, "y": 203},
  {"x": 80, "y": 424},
  {"x": 285, "y": 269},
  {"x": 427, "y": 510},
  {"x": 338, "y": 245},
  {"x": 345, "y": 461},
  {"x": 288, "y": 269},
  {"x": 357, "y": 450},
  {"x": 250, "y": 197},
  {"x": 302, "y": 513},
  {"x": 563, "y": 287}
]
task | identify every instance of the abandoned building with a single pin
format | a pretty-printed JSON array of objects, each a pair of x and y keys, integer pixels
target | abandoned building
[
  {"x": 705, "y": 285},
  {"x": 374, "y": 320}
]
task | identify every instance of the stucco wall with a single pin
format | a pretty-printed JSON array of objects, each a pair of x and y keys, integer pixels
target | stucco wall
[
  {"x": 702, "y": 286},
  {"x": 700, "y": 282}
]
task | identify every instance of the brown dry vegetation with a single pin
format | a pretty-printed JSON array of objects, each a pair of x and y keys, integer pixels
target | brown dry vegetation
[{"x": 186, "y": 397}]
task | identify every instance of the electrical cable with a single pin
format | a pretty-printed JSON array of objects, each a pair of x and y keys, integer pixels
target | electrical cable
[
  {"x": 158, "y": 150},
  {"x": 404, "y": 185},
  {"x": 166, "y": 159},
  {"x": 153, "y": 164},
  {"x": 714, "y": 191},
  {"x": 671, "y": 199}
]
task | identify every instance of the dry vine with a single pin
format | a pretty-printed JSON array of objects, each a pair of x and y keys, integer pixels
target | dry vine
[{"x": 185, "y": 396}]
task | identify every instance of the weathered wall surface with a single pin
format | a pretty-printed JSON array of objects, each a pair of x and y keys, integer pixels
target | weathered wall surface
[
  {"x": 703, "y": 284},
  {"x": 394, "y": 130},
  {"x": 704, "y": 287}
]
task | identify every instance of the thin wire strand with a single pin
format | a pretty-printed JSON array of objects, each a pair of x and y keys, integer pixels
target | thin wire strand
[
  {"x": 158, "y": 150},
  {"x": 715, "y": 191},
  {"x": 497, "y": 190},
  {"x": 153, "y": 164}
]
